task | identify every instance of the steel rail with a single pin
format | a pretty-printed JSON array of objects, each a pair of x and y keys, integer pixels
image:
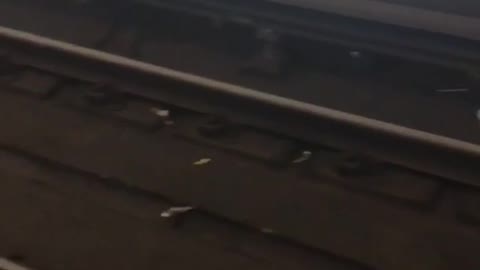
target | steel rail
[
  {"x": 419, "y": 150},
  {"x": 268, "y": 99},
  {"x": 9, "y": 265},
  {"x": 398, "y": 40},
  {"x": 396, "y": 14}
]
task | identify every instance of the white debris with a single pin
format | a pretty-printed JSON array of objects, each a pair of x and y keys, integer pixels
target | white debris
[
  {"x": 165, "y": 116},
  {"x": 161, "y": 113},
  {"x": 452, "y": 90},
  {"x": 172, "y": 211},
  {"x": 306, "y": 155},
  {"x": 202, "y": 161}
]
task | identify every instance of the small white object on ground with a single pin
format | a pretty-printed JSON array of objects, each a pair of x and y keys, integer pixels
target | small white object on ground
[
  {"x": 306, "y": 155},
  {"x": 161, "y": 113},
  {"x": 202, "y": 161},
  {"x": 172, "y": 211},
  {"x": 9, "y": 265},
  {"x": 164, "y": 115}
]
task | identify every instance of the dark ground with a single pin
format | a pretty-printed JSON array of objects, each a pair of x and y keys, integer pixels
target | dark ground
[
  {"x": 81, "y": 190},
  {"x": 86, "y": 191}
]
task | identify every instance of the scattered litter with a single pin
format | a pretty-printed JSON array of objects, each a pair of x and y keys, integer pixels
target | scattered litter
[
  {"x": 165, "y": 115},
  {"x": 267, "y": 230},
  {"x": 202, "y": 161},
  {"x": 452, "y": 90},
  {"x": 173, "y": 211},
  {"x": 306, "y": 155},
  {"x": 161, "y": 113}
]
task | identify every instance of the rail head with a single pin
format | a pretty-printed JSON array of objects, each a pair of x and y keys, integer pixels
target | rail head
[
  {"x": 397, "y": 14},
  {"x": 322, "y": 113}
]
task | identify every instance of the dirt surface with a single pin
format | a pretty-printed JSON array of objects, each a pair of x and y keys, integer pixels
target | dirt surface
[{"x": 91, "y": 186}]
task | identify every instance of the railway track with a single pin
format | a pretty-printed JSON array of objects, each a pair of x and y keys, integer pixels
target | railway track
[
  {"x": 100, "y": 133},
  {"x": 405, "y": 31},
  {"x": 322, "y": 73},
  {"x": 302, "y": 121},
  {"x": 106, "y": 157}
]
